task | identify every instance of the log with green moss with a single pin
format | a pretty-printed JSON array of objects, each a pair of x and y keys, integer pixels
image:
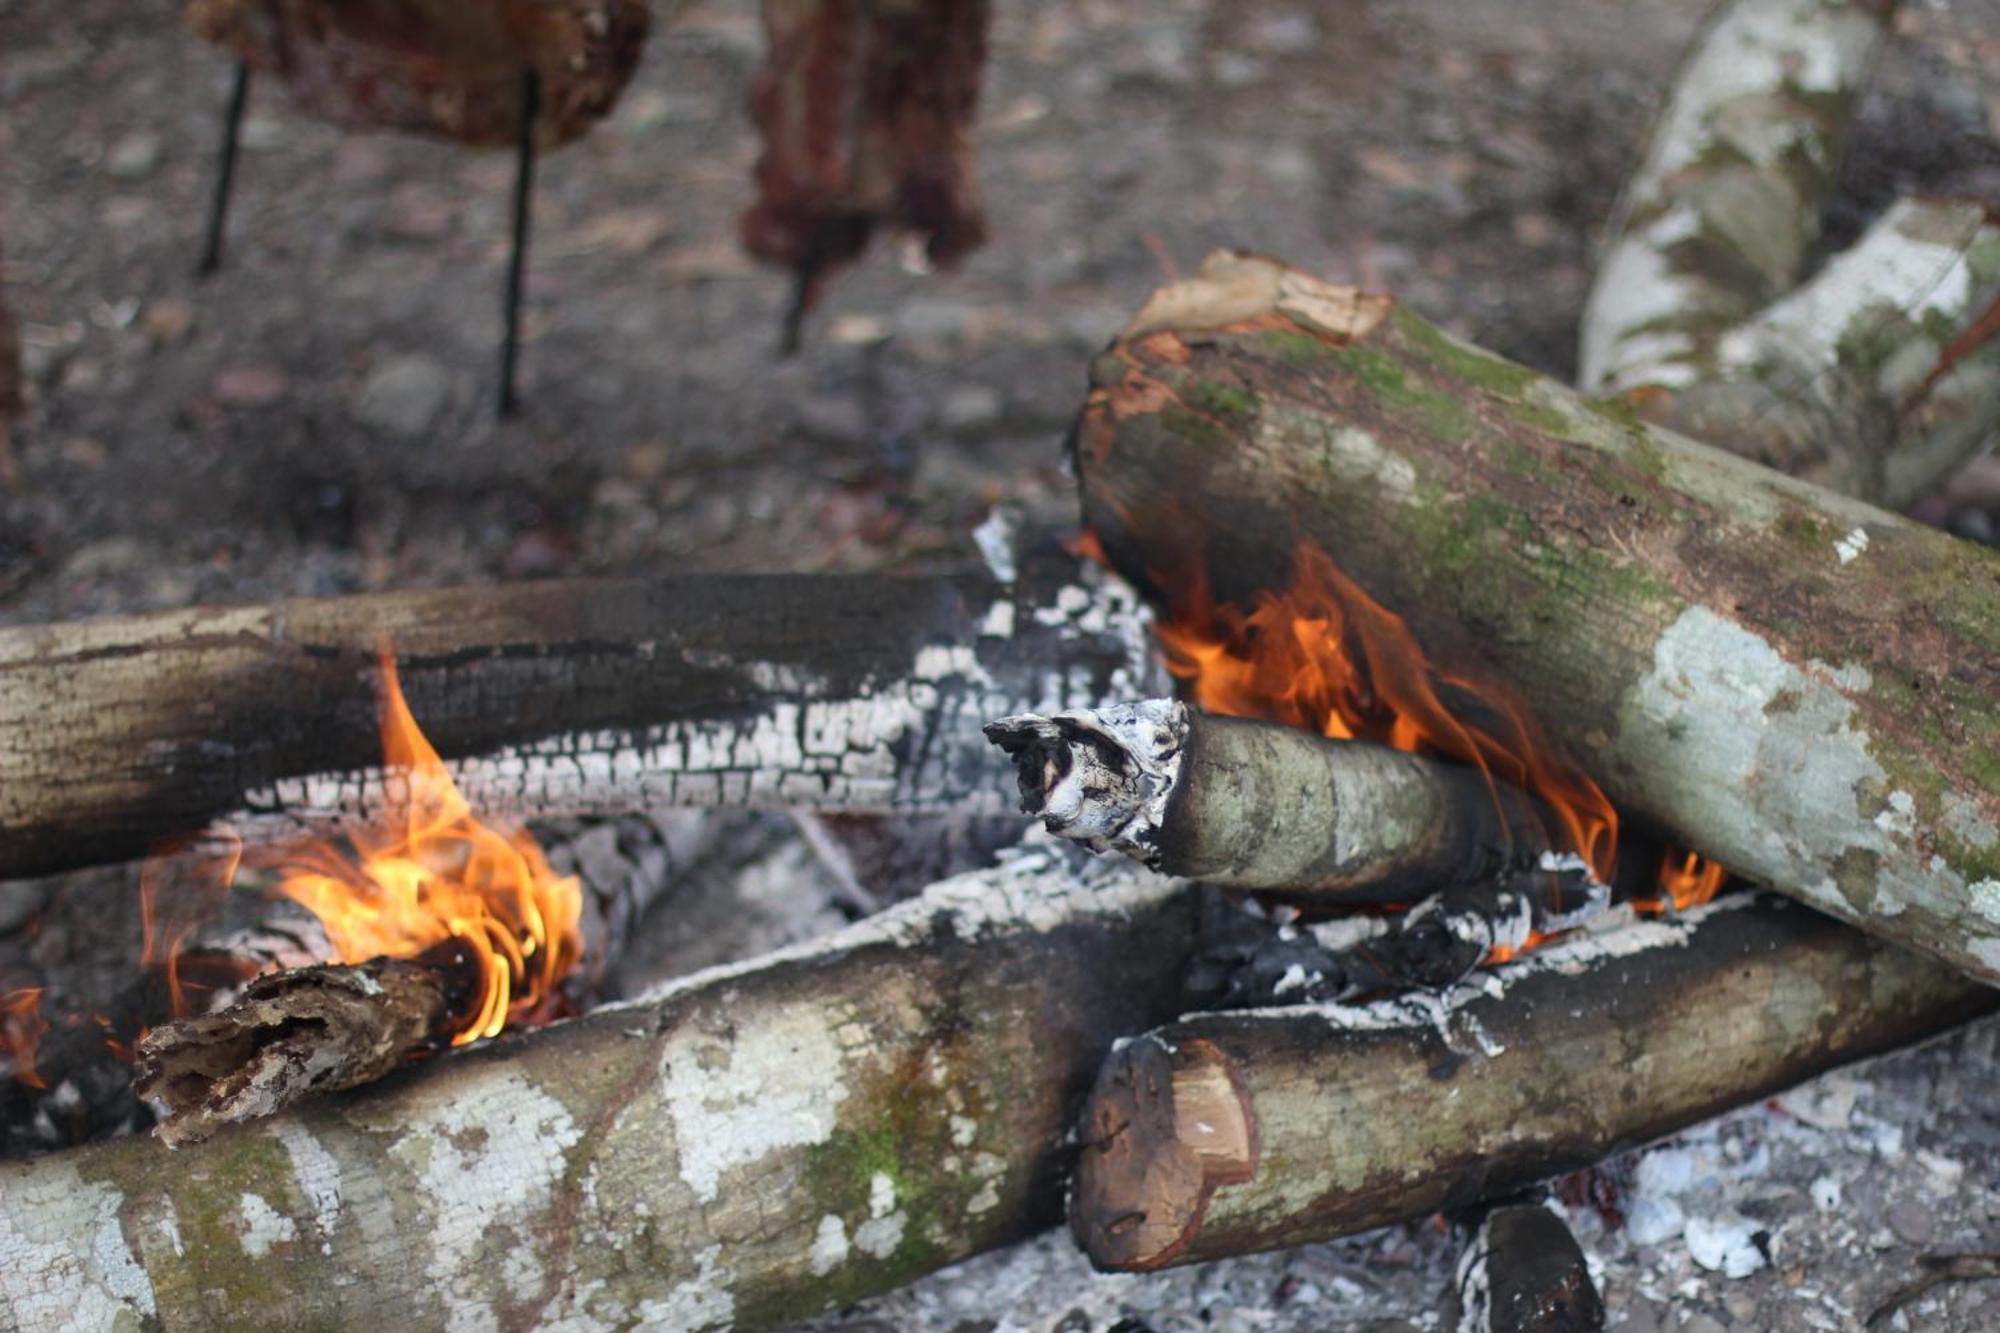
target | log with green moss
[
  {"x": 757, "y": 1144},
  {"x": 1881, "y": 373},
  {"x": 1720, "y": 215},
  {"x": 1798, "y": 684},
  {"x": 1232, "y": 1133}
]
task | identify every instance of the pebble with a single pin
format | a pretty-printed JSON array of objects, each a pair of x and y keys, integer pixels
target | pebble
[
  {"x": 1703, "y": 1323},
  {"x": 931, "y": 320},
  {"x": 133, "y": 157},
  {"x": 249, "y": 386},
  {"x": 970, "y": 408},
  {"x": 832, "y": 418},
  {"x": 1913, "y": 1223},
  {"x": 403, "y": 395}
]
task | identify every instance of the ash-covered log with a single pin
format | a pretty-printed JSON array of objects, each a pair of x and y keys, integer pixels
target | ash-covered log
[
  {"x": 1804, "y": 687},
  {"x": 1248, "y": 804},
  {"x": 759, "y": 1143},
  {"x": 546, "y": 699},
  {"x": 1226, "y": 1134}
]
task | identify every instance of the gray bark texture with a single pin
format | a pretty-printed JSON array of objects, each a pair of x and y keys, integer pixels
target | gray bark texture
[
  {"x": 547, "y": 699},
  {"x": 1799, "y": 685},
  {"x": 1881, "y": 373},
  {"x": 1225, "y": 1134},
  {"x": 752, "y": 1146}
]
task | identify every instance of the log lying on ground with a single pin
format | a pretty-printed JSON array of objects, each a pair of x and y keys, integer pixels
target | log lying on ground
[
  {"x": 1720, "y": 215},
  {"x": 1799, "y": 685},
  {"x": 548, "y": 699},
  {"x": 1258, "y": 805},
  {"x": 1878, "y": 377},
  {"x": 1226, "y": 1134},
  {"x": 763, "y": 1142}
]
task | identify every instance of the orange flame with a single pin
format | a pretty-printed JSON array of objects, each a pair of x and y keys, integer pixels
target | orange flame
[
  {"x": 435, "y": 873},
  {"x": 21, "y": 1030},
  {"x": 1325, "y": 656},
  {"x": 1688, "y": 880}
]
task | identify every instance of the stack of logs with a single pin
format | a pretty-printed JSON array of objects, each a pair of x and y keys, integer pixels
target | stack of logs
[{"x": 1774, "y": 673}]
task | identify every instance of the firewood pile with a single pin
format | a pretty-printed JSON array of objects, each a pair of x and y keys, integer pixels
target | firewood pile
[{"x": 1413, "y": 781}]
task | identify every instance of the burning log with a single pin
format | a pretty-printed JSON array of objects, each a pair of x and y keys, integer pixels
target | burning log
[
  {"x": 1258, "y": 805},
  {"x": 310, "y": 1029},
  {"x": 547, "y": 699},
  {"x": 866, "y": 113},
  {"x": 757, "y": 1144},
  {"x": 1225, "y": 1134},
  {"x": 1878, "y": 376},
  {"x": 1802, "y": 686}
]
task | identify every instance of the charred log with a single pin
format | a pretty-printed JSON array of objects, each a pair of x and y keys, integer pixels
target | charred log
[
  {"x": 1802, "y": 686},
  {"x": 757, "y": 1144},
  {"x": 548, "y": 699},
  {"x": 1522, "y": 1272},
  {"x": 1232, "y": 1133},
  {"x": 294, "y": 1033},
  {"x": 1247, "y": 804}
]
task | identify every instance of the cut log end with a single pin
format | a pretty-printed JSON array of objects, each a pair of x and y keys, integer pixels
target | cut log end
[
  {"x": 1101, "y": 777},
  {"x": 310, "y": 1029},
  {"x": 1166, "y": 1128}
]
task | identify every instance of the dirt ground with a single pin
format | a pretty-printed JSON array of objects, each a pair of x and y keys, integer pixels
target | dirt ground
[{"x": 317, "y": 418}]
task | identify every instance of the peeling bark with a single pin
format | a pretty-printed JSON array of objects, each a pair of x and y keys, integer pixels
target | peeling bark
[
  {"x": 1801, "y": 686},
  {"x": 1248, "y": 804},
  {"x": 1719, "y": 216},
  {"x": 754, "y": 1145},
  {"x": 294, "y": 1033},
  {"x": 1226, "y": 1134},
  {"x": 546, "y": 699}
]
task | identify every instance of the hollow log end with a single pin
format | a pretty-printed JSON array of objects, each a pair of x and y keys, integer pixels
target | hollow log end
[
  {"x": 1040, "y": 755},
  {"x": 292, "y": 1033},
  {"x": 1162, "y": 1130}
]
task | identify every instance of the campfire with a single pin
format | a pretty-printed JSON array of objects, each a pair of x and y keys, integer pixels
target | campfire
[{"x": 1428, "y": 782}]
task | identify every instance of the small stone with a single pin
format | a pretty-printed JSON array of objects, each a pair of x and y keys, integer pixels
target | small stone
[
  {"x": 1703, "y": 1323},
  {"x": 403, "y": 395},
  {"x": 833, "y": 419},
  {"x": 970, "y": 408},
  {"x": 166, "y": 320},
  {"x": 133, "y": 157},
  {"x": 1285, "y": 34},
  {"x": 249, "y": 386},
  {"x": 933, "y": 321},
  {"x": 1913, "y": 1223}
]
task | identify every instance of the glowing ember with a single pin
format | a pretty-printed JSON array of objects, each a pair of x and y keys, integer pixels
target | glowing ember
[
  {"x": 1689, "y": 880},
  {"x": 1324, "y": 655},
  {"x": 21, "y": 1029},
  {"x": 434, "y": 873}
]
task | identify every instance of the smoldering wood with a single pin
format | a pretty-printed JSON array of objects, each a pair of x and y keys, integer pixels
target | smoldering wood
[
  {"x": 1227, "y": 1134},
  {"x": 1249, "y": 804},
  {"x": 1802, "y": 686},
  {"x": 1521, "y": 1271},
  {"x": 547, "y": 699},
  {"x": 754, "y": 1145},
  {"x": 292, "y": 1034},
  {"x": 1719, "y": 217}
]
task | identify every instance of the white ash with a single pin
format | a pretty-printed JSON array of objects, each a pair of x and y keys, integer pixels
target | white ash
[{"x": 1107, "y": 773}]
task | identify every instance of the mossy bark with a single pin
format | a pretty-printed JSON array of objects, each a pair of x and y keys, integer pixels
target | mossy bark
[
  {"x": 1798, "y": 684},
  {"x": 1719, "y": 216},
  {"x": 549, "y": 699},
  {"x": 756, "y": 1145},
  {"x": 1878, "y": 377},
  {"x": 1232, "y": 1133}
]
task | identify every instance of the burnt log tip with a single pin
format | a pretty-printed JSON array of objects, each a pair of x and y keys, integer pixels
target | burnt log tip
[
  {"x": 1234, "y": 287},
  {"x": 1164, "y": 1128},
  {"x": 1102, "y": 776}
]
